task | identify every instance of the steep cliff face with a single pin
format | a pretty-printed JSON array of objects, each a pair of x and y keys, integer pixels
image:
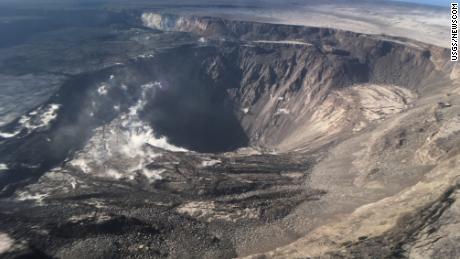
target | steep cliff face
[{"x": 285, "y": 80}]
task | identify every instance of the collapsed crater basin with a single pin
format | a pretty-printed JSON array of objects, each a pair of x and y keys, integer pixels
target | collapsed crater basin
[{"x": 219, "y": 139}]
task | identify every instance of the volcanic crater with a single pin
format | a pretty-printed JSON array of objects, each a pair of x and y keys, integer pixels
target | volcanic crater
[{"x": 237, "y": 138}]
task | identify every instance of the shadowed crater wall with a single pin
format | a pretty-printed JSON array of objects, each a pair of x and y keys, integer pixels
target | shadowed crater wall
[{"x": 189, "y": 108}]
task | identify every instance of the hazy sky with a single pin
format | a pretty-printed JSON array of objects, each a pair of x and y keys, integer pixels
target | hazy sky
[
  {"x": 56, "y": 3},
  {"x": 433, "y": 2}
]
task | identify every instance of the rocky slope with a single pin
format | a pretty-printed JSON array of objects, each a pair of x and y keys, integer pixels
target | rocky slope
[{"x": 240, "y": 139}]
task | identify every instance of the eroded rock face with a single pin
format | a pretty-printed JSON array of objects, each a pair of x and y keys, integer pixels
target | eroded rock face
[{"x": 332, "y": 140}]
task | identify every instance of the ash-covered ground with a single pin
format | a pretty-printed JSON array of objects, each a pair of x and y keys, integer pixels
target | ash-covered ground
[{"x": 146, "y": 134}]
